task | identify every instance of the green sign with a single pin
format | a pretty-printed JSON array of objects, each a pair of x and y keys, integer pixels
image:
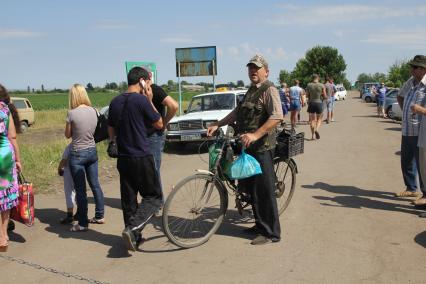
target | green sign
[{"x": 149, "y": 65}]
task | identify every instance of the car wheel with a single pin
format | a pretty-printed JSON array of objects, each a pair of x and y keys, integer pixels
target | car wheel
[
  {"x": 24, "y": 126},
  {"x": 388, "y": 110},
  {"x": 368, "y": 100}
]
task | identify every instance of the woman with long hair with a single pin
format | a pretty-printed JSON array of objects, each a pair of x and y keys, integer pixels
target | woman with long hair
[
  {"x": 10, "y": 163},
  {"x": 83, "y": 159}
]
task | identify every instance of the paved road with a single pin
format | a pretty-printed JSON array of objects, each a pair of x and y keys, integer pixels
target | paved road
[{"x": 342, "y": 226}]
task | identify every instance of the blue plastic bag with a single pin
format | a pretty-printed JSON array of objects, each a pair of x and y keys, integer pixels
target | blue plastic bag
[{"x": 243, "y": 167}]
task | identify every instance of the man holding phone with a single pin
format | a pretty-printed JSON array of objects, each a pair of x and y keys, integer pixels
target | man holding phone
[
  {"x": 129, "y": 113},
  {"x": 166, "y": 107}
]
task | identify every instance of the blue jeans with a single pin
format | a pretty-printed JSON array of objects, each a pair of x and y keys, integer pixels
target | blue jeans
[
  {"x": 410, "y": 162},
  {"x": 84, "y": 163},
  {"x": 156, "y": 142}
]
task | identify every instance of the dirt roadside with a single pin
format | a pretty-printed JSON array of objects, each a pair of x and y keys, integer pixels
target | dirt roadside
[{"x": 342, "y": 226}]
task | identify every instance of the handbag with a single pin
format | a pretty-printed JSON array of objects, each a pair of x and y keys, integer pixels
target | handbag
[
  {"x": 243, "y": 167},
  {"x": 24, "y": 212}
]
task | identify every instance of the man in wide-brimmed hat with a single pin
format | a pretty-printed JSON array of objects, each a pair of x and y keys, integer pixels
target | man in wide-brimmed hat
[{"x": 410, "y": 99}]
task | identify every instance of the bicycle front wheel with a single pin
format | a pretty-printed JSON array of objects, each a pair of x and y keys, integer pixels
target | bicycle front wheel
[
  {"x": 285, "y": 184},
  {"x": 194, "y": 210}
]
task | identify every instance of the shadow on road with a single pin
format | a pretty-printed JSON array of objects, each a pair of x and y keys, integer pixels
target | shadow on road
[
  {"x": 355, "y": 197},
  {"x": 15, "y": 237},
  {"x": 421, "y": 239},
  {"x": 393, "y": 128},
  {"x": 50, "y": 216}
]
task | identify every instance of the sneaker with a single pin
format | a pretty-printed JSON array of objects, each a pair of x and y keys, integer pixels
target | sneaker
[
  {"x": 262, "y": 240},
  {"x": 94, "y": 220},
  {"x": 129, "y": 239},
  {"x": 317, "y": 135}
]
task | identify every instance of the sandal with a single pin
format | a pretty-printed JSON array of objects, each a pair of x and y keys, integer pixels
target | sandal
[
  {"x": 78, "y": 228},
  {"x": 94, "y": 220},
  {"x": 407, "y": 193},
  {"x": 3, "y": 248},
  {"x": 420, "y": 202}
]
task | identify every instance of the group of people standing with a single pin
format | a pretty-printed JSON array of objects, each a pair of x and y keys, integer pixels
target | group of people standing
[
  {"x": 318, "y": 96},
  {"x": 136, "y": 123}
]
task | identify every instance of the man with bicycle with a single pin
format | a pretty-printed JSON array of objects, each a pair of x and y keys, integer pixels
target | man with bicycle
[{"x": 255, "y": 118}]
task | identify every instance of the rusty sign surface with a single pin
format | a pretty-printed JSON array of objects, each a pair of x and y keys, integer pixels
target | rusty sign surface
[{"x": 196, "y": 61}]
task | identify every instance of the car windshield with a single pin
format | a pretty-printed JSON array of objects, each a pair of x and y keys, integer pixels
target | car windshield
[{"x": 212, "y": 102}]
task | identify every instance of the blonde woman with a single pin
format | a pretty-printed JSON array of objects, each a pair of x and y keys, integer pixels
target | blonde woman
[{"x": 83, "y": 159}]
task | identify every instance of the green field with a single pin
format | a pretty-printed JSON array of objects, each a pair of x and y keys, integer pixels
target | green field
[{"x": 54, "y": 101}]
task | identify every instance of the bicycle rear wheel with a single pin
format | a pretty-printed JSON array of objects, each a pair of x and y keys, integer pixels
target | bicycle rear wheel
[
  {"x": 194, "y": 210},
  {"x": 285, "y": 184}
]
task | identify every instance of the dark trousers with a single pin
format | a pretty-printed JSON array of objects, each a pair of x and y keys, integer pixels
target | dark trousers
[
  {"x": 410, "y": 163},
  {"x": 262, "y": 190},
  {"x": 138, "y": 175}
]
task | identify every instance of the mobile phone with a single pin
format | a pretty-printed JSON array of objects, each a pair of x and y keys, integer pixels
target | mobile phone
[{"x": 143, "y": 84}]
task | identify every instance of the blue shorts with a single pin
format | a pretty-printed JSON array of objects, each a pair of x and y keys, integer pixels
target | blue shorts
[
  {"x": 381, "y": 102},
  {"x": 295, "y": 105}
]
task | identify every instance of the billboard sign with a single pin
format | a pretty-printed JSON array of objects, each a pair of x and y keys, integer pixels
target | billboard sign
[
  {"x": 196, "y": 61},
  {"x": 148, "y": 65}
]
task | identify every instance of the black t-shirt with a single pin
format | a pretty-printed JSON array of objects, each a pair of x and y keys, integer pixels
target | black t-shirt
[
  {"x": 131, "y": 130},
  {"x": 158, "y": 96}
]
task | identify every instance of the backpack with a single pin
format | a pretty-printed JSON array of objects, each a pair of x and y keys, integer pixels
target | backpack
[{"x": 101, "y": 131}]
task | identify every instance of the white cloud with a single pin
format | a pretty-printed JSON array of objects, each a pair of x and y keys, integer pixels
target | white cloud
[
  {"x": 112, "y": 25},
  {"x": 16, "y": 33},
  {"x": 409, "y": 39},
  {"x": 317, "y": 15},
  {"x": 245, "y": 51},
  {"x": 178, "y": 39}
]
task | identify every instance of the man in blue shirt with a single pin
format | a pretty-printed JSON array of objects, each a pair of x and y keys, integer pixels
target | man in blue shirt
[
  {"x": 380, "y": 98},
  {"x": 129, "y": 115},
  {"x": 411, "y": 94}
]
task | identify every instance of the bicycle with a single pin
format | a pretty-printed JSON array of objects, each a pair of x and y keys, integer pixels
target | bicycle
[{"x": 197, "y": 204}]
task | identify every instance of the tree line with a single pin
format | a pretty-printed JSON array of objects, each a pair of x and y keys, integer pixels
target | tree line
[
  {"x": 322, "y": 60},
  {"x": 398, "y": 73}
]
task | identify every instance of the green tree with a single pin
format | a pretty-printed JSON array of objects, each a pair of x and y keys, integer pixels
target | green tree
[
  {"x": 379, "y": 77},
  {"x": 122, "y": 87},
  {"x": 89, "y": 87},
  {"x": 322, "y": 60},
  {"x": 111, "y": 86},
  {"x": 398, "y": 73},
  {"x": 285, "y": 77},
  {"x": 171, "y": 85},
  {"x": 240, "y": 83}
]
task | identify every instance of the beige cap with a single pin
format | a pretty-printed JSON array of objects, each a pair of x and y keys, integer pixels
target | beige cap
[{"x": 259, "y": 61}]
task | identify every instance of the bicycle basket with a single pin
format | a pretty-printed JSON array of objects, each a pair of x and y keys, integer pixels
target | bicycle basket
[{"x": 289, "y": 144}]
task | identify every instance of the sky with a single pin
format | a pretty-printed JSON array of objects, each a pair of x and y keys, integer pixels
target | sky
[{"x": 58, "y": 43}]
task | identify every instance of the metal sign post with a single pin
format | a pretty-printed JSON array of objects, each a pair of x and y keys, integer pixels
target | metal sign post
[
  {"x": 195, "y": 61},
  {"x": 180, "y": 90},
  {"x": 214, "y": 72}
]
